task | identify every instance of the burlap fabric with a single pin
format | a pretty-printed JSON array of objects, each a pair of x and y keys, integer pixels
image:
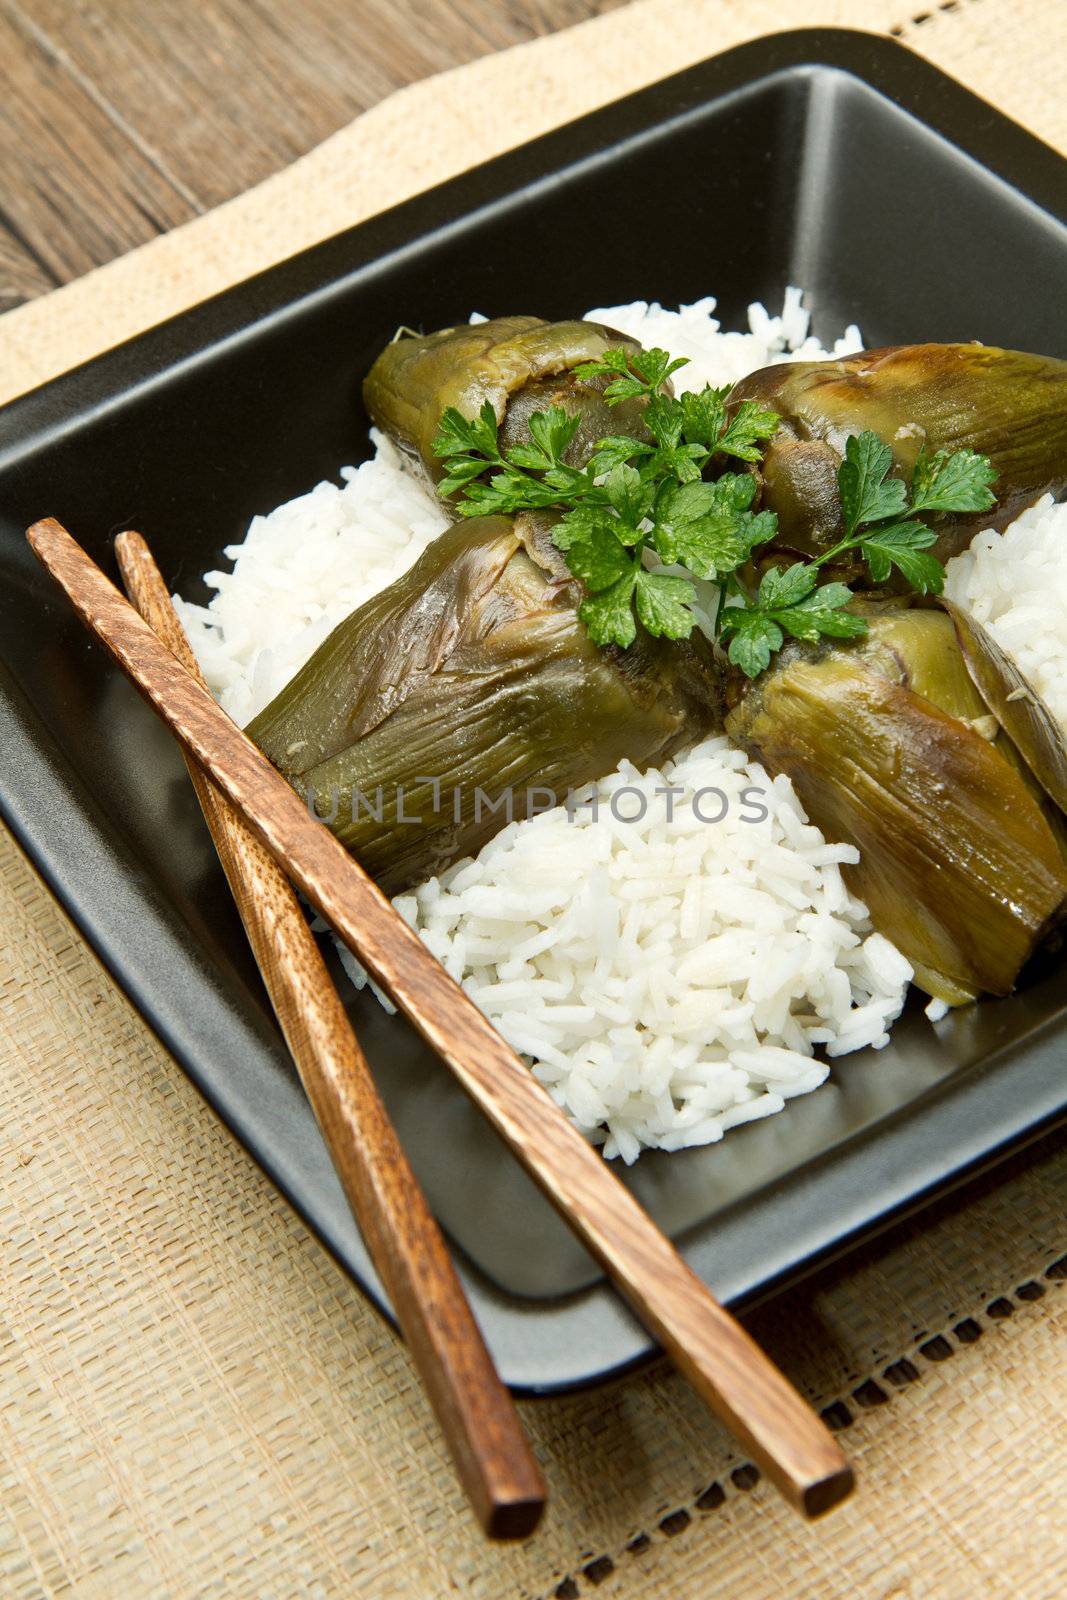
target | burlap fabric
[{"x": 194, "y": 1403}]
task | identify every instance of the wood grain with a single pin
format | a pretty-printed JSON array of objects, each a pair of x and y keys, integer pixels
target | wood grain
[
  {"x": 478, "y": 1418},
  {"x": 119, "y": 119},
  {"x": 724, "y": 1364},
  {"x": 74, "y": 189}
]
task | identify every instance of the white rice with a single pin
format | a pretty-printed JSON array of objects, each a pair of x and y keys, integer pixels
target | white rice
[
  {"x": 718, "y": 357},
  {"x": 1015, "y": 583},
  {"x": 667, "y": 978},
  {"x": 300, "y": 570}
]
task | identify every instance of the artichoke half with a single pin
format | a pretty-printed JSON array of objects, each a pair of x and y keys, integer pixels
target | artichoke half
[
  {"x": 469, "y": 693},
  {"x": 1004, "y": 404},
  {"x": 891, "y": 746},
  {"x": 519, "y": 364}
]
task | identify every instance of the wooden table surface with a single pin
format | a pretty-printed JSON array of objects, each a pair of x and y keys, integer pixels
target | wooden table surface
[{"x": 120, "y": 119}]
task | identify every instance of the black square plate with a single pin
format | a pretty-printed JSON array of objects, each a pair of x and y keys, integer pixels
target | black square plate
[{"x": 829, "y": 159}]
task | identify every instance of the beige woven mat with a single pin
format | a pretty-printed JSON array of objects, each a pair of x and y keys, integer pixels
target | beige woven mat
[{"x": 194, "y": 1403}]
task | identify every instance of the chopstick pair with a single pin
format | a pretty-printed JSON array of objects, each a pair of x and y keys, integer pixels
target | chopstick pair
[
  {"x": 744, "y": 1388},
  {"x": 475, "y": 1410}
]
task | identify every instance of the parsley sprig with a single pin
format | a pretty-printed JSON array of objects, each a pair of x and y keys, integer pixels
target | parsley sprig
[
  {"x": 642, "y": 505},
  {"x": 880, "y": 518},
  {"x": 633, "y": 495}
]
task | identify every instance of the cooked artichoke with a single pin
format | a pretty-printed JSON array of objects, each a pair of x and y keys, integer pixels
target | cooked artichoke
[
  {"x": 891, "y": 747},
  {"x": 519, "y": 364},
  {"x": 469, "y": 680},
  {"x": 1003, "y": 404}
]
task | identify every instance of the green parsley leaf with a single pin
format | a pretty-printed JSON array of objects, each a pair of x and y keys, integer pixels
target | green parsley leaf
[
  {"x": 477, "y": 434},
  {"x": 609, "y": 615},
  {"x": 821, "y": 613},
  {"x": 581, "y": 522},
  {"x": 599, "y": 559},
  {"x": 663, "y": 604},
  {"x": 732, "y": 495},
  {"x": 635, "y": 372},
  {"x": 880, "y": 546},
  {"x": 704, "y": 422},
  {"x": 614, "y": 449},
  {"x": 901, "y": 545},
  {"x": 734, "y": 491},
  {"x": 613, "y": 360},
  {"x": 757, "y": 527},
  {"x": 683, "y": 461},
  {"x": 955, "y": 480},
  {"x": 757, "y": 631},
  {"x": 703, "y": 415},
  {"x": 655, "y": 366},
  {"x": 628, "y": 493},
  {"x": 686, "y": 502},
  {"x": 925, "y": 573},
  {"x": 746, "y": 430},
  {"x": 624, "y": 389},
  {"x": 553, "y": 430},
  {"x": 710, "y": 547},
  {"x": 530, "y": 457},
  {"x": 695, "y": 525},
  {"x": 866, "y": 495},
  {"x": 947, "y": 481},
  {"x": 479, "y": 500},
  {"x": 461, "y": 470},
  {"x": 786, "y": 588},
  {"x": 754, "y": 637},
  {"x": 506, "y": 493},
  {"x": 663, "y": 419},
  {"x": 467, "y": 445},
  {"x": 569, "y": 482}
]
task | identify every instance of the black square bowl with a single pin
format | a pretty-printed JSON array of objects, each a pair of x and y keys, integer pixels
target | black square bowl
[{"x": 833, "y": 160}]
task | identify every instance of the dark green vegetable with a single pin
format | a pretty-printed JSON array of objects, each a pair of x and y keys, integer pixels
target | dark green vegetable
[
  {"x": 923, "y": 399},
  {"x": 467, "y": 681},
  {"x": 892, "y": 748}
]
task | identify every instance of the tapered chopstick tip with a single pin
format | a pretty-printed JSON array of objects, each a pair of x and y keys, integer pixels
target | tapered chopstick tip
[
  {"x": 42, "y": 534},
  {"x": 129, "y": 543}
]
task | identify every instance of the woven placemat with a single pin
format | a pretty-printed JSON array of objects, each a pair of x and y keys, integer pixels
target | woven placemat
[{"x": 195, "y": 1403}]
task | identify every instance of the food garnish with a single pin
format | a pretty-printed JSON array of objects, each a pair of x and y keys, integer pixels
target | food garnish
[
  {"x": 880, "y": 519},
  {"x": 639, "y": 521}
]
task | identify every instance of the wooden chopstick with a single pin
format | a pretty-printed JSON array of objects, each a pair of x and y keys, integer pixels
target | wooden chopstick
[
  {"x": 766, "y": 1414},
  {"x": 476, "y": 1412}
]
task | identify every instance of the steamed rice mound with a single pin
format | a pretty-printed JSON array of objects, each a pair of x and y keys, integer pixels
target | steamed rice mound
[{"x": 668, "y": 974}]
